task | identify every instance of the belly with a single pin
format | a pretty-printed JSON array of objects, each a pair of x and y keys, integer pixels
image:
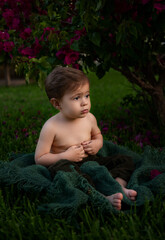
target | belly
[{"x": 63, "y": 145}]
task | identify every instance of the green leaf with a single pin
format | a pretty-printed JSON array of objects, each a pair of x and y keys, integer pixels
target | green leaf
[
  {"x": 2, "y": 58},
  {"x": 134, "y": 31},
  {"x": 75, "y": 46},
  {"x": 118, "y": 37},
  {"x": 50, "y": 11},
  {"x": 27, "y": 78},
  {"x": 95, "y": 38},
  {"x": 99, "y": 5},
  {"x": 41, "y": 79}
]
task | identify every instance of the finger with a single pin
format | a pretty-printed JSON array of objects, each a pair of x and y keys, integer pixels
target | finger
[
  {"x": 87, "y": 148},
  {"x": 86, "y": 142},
  {"x": 78, "y": 146}
]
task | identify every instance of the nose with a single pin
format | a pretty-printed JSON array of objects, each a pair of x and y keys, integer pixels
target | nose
[{"x": 84, "y": 101}]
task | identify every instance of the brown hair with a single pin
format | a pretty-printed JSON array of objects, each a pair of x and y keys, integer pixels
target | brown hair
[{"x": 63, "y": 79}]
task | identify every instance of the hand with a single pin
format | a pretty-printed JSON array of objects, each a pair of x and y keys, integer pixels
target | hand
[
  {"x": 75, "y": 153},
  {"x": 90, "y": 147}
]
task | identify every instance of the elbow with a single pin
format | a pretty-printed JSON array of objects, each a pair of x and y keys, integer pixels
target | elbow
[
  {"x": 101, "y": 142},
  {"x": 37, "y": 160}
]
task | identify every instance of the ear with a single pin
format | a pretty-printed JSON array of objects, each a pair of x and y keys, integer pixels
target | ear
[{"x": 55, "y": 103}]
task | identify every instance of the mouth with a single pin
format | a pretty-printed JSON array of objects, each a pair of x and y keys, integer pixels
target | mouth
[{"x": 84, "y": 111}]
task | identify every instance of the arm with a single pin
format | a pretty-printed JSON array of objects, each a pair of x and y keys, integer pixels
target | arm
[
  {"x": 93, "y": 146},
  {"x": 43, "y": 156}
]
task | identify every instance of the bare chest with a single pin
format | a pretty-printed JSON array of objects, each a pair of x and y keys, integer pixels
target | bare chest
[{"x": 69, "y": 135}]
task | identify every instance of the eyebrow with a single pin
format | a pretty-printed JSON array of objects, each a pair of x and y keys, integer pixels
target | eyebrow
[{"x": 79, "y": 93}]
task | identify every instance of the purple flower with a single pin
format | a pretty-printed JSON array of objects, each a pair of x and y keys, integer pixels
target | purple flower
[
  {"x": 68, "y": 20},
  {"x": 138, "y": 137},
  {"x": 26, "y": 33},
  {"x": 144, "y": 1},
  {"x": 1, "y": 46},
  {"x": 146, "y": 140},
  {"x": 36, "y": 47},
  {"x": 4, "y": 35},
  {"x": 159, "y": 7},
  {"x": 71, "y": 57},
  {"x": 105, "y": 129},
  {"x": 62, "y": 52},
  {"x": 8, "y": 15},
  {"x": 141, "y": 144},
  {"x": 79, "y": 34},
  {"x": 122, "y": 6},
  {"x": 34, "y": 132},
  {"x": 27, "y": 52},
  {"x": 26, "y": 134},
  {"x": 8, "y": 46},
  {"x": 15, "y": 23},
  {"x": 75, "y": 65}
]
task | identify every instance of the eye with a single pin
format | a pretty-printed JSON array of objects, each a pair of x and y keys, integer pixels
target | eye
[
  {"x": 87, "y": 96},
  {"x": 76, "y": 98}
]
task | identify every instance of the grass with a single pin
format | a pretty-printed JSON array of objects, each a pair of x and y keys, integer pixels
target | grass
[{"x": 24, "y": 109}]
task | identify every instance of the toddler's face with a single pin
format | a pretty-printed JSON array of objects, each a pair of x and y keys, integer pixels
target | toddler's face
[{"x": 76, "y": 104}]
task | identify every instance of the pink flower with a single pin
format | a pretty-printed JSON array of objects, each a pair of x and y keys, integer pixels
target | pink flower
[
  {"x": 8, "y": 15},
  {"x": 27, "y": 52},
  {"x": 122, "y": 6},
  {"x": 68, "y": 20},
  {"x": 159, "y": 7},
  {"x": 11, "y": 18},
  {"x": 144, "y": 1},
  {"x": 71, "y": 57},
  {"x": 31, "y": 52},
  {"x": 4, "y": 35},
  {"x": 154, "y": 173},
  {"x": 141, "y": 144},
  {"x": 26, "y": 33},
  {"x": 62, "y": 52},
  {"x": 1, "y": 46},
  {"x": 75, "y": 65},
  {"x": 79, "y": 34},
  {"x": 36, "y": 46},
  {"x": 15, "y": 23},
  {"x": 41, "y": 11},
  {"x": 8, "y": 46}
]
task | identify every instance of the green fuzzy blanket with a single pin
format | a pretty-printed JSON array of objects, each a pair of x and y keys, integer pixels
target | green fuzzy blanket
[{"x": 68, "y": 191}]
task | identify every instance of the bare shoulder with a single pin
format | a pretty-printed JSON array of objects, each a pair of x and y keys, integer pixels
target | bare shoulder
[
  {"x": 94, "y": 127},
  {"x": 50, "y": 124},
  {"x": 91, "y": 118}
]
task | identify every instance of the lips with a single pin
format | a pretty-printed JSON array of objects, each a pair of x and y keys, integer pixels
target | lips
[{"x": 84, "y": 111}]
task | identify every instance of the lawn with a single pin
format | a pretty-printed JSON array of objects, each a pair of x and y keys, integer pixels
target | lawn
[{"x": 24, "y": 109}]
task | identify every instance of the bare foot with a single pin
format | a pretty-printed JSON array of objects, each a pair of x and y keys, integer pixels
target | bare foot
[
  {"x": 131, "y": 194},
  {"x": 115, "y": 200}
]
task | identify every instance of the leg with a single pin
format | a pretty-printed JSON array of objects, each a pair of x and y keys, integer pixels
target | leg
[
  {"x": 65, "y": 165},
  {"x": 118, "y": 165},
  {"x": 115, "y": 200},
  {"x": 130, "y": 193},
  {"x": 121, "y": 168}
]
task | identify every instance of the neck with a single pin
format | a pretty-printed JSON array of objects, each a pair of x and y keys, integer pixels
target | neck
[{"x": 68, "y": 119}]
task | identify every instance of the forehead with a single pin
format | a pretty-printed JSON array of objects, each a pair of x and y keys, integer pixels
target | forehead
[{"x": 82, "y": 88}]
